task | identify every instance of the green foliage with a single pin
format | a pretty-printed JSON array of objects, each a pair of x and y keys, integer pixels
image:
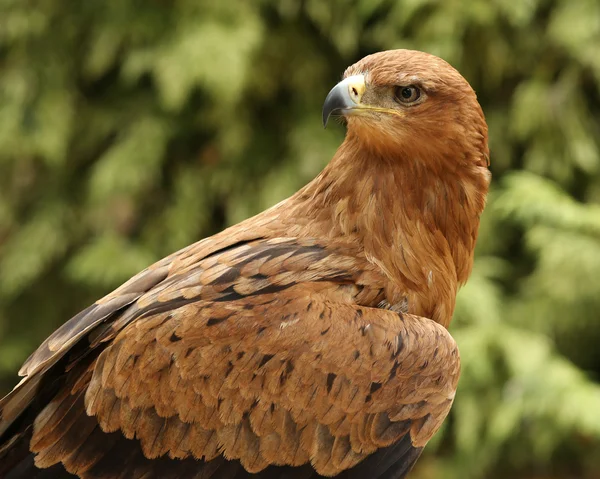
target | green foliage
[{"x": 131, "y": 129}]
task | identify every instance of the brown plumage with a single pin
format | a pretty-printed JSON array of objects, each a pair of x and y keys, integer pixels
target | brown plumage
[{"x": 307, "y": 341}]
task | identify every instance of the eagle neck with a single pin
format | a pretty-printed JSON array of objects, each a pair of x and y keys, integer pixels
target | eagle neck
[{"x": 417, "y": 219}]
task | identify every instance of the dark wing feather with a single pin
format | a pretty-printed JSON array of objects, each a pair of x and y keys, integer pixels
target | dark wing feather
[
  {"x": 89, "y": 321},
  {"x": 259, "y": 355},
  {"x": 65, "y": 337},
  {"x": 393, "y": 462}
]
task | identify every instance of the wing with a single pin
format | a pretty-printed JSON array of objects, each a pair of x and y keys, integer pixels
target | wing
[
  {"x": 265, "y": 354},
  {"x": 67, "y": 338}
]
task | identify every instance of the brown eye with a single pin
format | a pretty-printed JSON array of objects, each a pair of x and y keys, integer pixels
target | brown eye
[{"x": 407, "y": 94}]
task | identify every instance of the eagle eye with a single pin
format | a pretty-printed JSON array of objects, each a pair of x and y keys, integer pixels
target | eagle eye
[{"x": 407, "y": 94}]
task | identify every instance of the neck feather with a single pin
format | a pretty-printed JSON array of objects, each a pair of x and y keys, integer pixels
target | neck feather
[{"x": 416, "y": 219}]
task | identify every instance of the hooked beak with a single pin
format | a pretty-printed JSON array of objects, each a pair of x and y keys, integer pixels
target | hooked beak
[{"x": 343, "y": 97}]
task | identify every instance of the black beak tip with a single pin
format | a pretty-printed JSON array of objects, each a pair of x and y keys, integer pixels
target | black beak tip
[
  {"x": 335, "y": 103},
  {"x": 326, "y": 116}
]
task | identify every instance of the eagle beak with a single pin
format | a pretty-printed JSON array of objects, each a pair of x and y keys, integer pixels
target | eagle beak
[{"x": 343, "y": 97}]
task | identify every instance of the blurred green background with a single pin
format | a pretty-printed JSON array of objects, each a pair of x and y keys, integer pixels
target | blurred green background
[{"x": 129, "y": 129}]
